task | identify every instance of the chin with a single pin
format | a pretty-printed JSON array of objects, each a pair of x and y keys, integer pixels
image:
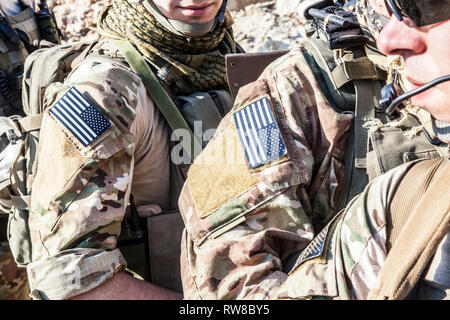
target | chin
[{"x": 196, "y": 20}]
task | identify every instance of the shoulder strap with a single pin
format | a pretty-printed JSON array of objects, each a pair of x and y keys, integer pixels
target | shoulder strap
[
  {"x": 343, "y": 98},
  {"x": 159, "y": 96},
  {"x": 356, "y": 177},
  {"x": 426, "y": 226},
  {"x": 361, "y": 68},
  {"x": 339, "y": 69}
]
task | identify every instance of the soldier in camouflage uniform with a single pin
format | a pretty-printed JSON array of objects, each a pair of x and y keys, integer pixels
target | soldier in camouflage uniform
[
  {"x": 82, "y": 187},
  {"x": 282, "y": 159},
  {"x": 392, "y": 241},
  {"x": 18, "y": 15}
]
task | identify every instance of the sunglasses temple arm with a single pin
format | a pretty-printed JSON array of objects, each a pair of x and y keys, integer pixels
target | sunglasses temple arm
[{"x": 394, "y": 9}]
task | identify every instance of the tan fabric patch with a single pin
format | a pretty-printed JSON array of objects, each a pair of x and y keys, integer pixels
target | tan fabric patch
[
  {"x": 219, "y": 174},
  {"x": 56, "y": 155}
]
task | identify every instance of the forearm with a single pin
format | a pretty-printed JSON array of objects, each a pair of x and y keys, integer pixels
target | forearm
[{"x": 125, "y": 287}]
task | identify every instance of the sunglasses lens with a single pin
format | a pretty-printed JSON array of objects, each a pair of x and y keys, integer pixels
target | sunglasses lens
[{"x": 425, "y": 12}]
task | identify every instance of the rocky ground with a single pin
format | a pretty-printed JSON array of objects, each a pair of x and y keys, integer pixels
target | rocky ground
[
  {"x": 267, "y": 26},
  {"x": 260, "y": 25}
]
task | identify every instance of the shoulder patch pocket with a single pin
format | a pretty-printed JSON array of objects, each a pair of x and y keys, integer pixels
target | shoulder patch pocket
[
  {"x": 219, "y": 174},
  {"x": 76, "y": 138},
  {"x": 242, "y": 168}
]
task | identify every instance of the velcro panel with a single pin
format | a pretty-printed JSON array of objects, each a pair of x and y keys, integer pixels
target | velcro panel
[{"x": 219, "y": 174}]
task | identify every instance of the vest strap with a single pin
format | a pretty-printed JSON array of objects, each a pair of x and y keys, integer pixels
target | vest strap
[
  {"x": 367, "y": 91},
  {"x": 424, "y": 230},
  {"x": 21, "y": 202},
  {"x": 31, "y": 123},
  {"x": 201, "y": 103},
  {"x": 362, "y": 69},
  {"x": 159, "y": 96}
]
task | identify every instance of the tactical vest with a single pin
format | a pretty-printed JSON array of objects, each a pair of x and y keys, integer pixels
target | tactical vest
[
  {"x": 164, "y": 229},
  {"x": 353, "y": 84},
  {"x": 12, "y": 59}
]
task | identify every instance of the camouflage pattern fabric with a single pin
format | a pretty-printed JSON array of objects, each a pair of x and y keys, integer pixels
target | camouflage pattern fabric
[
  {"x": 12, "y": 57},
  {"x": 13, "y": 279},
  {"x": 352, "y": 249},
  {"x": 80, "y": 193},
  {"x": 345, "y": 260},
  {"x": 369, "y": 18},
  {"x": 243, "y": 224}
]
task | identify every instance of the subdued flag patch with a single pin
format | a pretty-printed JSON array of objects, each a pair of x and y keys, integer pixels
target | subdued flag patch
[
  {"x": 80, "y": 117},
  {"x": 317, "y": 247},
  {"x": 259, "y": 133}
]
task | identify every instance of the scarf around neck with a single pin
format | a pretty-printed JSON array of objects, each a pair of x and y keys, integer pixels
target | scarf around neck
[{"x": 187, "y": 64}]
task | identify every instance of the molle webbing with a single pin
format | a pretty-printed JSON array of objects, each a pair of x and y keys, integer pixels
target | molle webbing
[
  {"x": 359, "y": 68},
  {"x": 26, "y": 21},
  {"x": 352, "y": 83},
  {"x": 12, "y": 58},
  {"x": 12, "y": 55},
  {"x": 338, "y": 71},
  {"x": 419, "y": 235},
  {"x": 318, "y": 52}
]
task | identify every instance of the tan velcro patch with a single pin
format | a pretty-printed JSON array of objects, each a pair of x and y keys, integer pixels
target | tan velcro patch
[
  {"x": 58, "y": 156},
  {"x": 219, "y": 174}
]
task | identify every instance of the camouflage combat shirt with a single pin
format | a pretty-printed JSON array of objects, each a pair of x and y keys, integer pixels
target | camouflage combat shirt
[
  {"x": 81, "y": 189},
  {"x": 249, "y": 211},
  {"x": 344, "y": 261},
  {"x": 244, "y": 217}
]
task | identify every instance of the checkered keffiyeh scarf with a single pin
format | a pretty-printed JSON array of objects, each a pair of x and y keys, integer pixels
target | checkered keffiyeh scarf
[{"x": 197, "y": 64}]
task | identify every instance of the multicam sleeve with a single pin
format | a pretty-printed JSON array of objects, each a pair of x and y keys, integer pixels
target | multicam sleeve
[
  {"x": 247, "y": 211},
  {"x": 344, "y": 259},
  {"x": 83, "y": 181}
]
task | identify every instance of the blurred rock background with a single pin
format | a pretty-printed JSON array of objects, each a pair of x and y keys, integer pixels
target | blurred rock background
[{"x": 260, "y": 25}]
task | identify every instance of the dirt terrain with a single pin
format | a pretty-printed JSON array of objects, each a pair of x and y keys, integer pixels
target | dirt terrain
[{"x": 259, "y": 25}]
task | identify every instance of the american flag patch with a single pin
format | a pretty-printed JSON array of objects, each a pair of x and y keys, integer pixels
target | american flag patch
[
  {"x": 313, "y": 250},
  {"x": 259, "y": 133},
  {"x": 80, "y": 117},
  {"x": 318, "y": 246}
]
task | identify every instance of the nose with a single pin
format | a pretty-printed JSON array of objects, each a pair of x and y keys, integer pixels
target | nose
[{"x": 400, "y": 36}]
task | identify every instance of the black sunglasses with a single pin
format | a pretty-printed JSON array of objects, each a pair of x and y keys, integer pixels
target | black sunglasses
[{"x": 422, "y": 12}]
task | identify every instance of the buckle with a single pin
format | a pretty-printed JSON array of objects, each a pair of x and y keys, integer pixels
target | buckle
[{"x": 12, "y": 136}]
